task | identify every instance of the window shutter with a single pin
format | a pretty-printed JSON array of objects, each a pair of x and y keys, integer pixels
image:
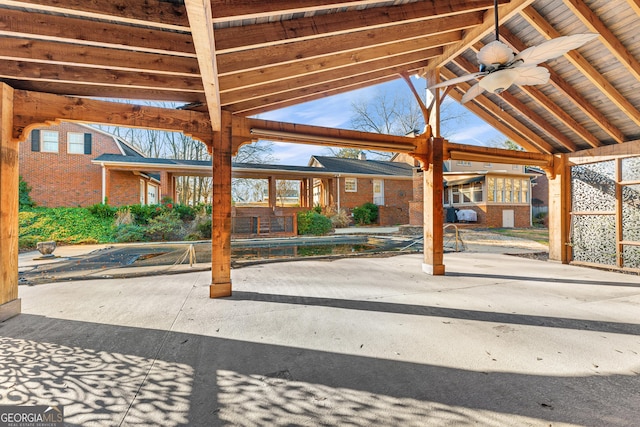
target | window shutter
[
  {"x": 87, "y": 143},
  {"x": 35, "y": 140}
]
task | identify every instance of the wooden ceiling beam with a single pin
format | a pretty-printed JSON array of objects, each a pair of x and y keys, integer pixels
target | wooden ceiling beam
[
  {"x": 32, "y": 108},
  {"x": 162, "y": 14},
  {"x": 199, "y": 13},
  {"x": 83, "y": 76},
  {"x": 259, "y": 109},
  {"x": 235, "y": 38},
  {"x": 474, "y": 35},
  {"x": 50, "y": 52},
  {"x": 79, "y": 31},
  {"x": 527, "y": 139},
  {"x": 635, "y": 5},
  {"x": 578, "y": 100},
  {"x": 391, "y": 65},
  {"x": 226, "y": 10},
  {"x": 526, "y": 112},
  {"x": 540, "y": 24},
  {"x": 418, "y": 33},
  {"x": 321, "y": 87},
  {"x": 314, "y": 65},
  {"x": 594, "y": 24},
  {"x": 116, "y": 92}
]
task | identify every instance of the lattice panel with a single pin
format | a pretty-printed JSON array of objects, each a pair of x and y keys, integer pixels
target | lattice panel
[
  {"x": 631, "y": 169},
  {"x": 631, "y": 213},
  {"x": 593, "y": 187},
  {"x": 594, "y": 239},
  {"x": 631, "y": 256}
]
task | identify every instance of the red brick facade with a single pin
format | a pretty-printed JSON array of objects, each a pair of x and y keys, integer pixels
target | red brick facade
[
  {"x": 397, "y": 194},
  {"x": 64, "y": 179}
]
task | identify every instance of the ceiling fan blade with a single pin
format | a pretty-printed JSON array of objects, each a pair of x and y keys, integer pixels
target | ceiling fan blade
[
  {"x": 552, "y": 48},
  {"x": 531, "y": 76},
  {"x": 458, "y": 80},
  {"x": 473, "y": 91}
]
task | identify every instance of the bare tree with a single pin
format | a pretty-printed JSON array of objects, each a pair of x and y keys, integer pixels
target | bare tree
[{"x": 246, "y": 189}]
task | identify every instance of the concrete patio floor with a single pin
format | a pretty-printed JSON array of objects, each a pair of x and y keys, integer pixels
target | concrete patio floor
[{"x": 499, "y": 341}]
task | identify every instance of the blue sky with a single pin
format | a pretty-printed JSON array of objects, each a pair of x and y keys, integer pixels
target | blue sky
[{"x": 335, "y": 112}]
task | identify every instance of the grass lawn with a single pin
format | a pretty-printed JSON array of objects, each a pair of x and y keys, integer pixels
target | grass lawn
[{"x": 540, "y": 235}]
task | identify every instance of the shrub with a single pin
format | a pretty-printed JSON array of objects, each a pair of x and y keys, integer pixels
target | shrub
[
  {"x": 311, "y": 222},
  {"x": 102, "y": 210},
  {"x": 365, "y": 214},
  {"x": 124, "y": 217},
  {"x": 126, "y": 233},
  {"x": 165, "y": 226},
  {"x": 24, "y": 196},
  {"x": 339, "y": 217},
  {"x": 143, "y": 213},
  {"x": 185, "y": 212}
]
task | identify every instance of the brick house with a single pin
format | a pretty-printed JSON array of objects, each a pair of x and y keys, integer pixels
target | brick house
[
  {"x": 56, "y": 162},
  {"x": 355, "y": 182},
  {"x": 499, "y": 194}
]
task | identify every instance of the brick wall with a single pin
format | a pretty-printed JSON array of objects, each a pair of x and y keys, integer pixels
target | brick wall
[
  {"x": 397, "y": 194},
  {"x": 63, "y": 179}
]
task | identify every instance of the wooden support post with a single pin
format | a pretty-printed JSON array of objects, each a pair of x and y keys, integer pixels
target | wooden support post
[
  {"x": 559, "y": 210},
  {"x": 221, "y": 211},
  {"x": 272, "y": 192},
  {"x": 433, "y": 212},
  {"x": 9, "y": 302},
  {"x": 302, "y": 200},
  {"x": 310, "y": 192}
]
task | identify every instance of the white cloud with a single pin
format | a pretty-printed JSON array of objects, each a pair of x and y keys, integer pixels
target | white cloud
[{"x": 296, "y": 154}]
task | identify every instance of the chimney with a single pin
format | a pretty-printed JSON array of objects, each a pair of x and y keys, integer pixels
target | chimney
[{"x": 362, "y": 156}]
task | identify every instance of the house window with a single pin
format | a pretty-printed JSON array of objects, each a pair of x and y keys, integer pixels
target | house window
[
  {"x": 491, "y": 189},
  {"x": 467, "y": 193},
  {"x": 524, "y": 198},
  {"x": 463, "y": 163},
  {"x": 351, "y": 185},
  {"x": 507, "y": 190},
  {"x": 49, "y": 141},
  {"x": 75, "y": 143}
]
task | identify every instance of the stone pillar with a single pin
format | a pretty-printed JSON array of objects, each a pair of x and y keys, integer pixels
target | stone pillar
[
  {"x": 433, "y": 211},
  {"x": 221, "y": 211},
  {"x": 9, "y": 302}
]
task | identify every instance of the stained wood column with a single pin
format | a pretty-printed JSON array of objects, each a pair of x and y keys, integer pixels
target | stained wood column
[
  {"x": 272, "y": 192},
  {"x": 559, "y": 207},
  {"x": 221, "y": 211},
  {"x": 433, "y": 212},
  {"x": 9, "y": 301}
]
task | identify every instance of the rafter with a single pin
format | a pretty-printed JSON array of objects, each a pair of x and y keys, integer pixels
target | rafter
[
  {"x": 237, "y": 38},
  {"x": 314, "y": 65},
  {"x": 635, "y": 5},
  {"x": 479, "y": 31},
  {"x": 578, "y": 100},
  {"x": 525, "y": 111},
  {"x": 40, "y": 26},
  {"x": 528, "y": 139},
  {"x": 413, "y": 33},
  {"x": 538, "y": 22},
  {"x": 199, "y": 12},
  {"x": 588, "y": 18}
]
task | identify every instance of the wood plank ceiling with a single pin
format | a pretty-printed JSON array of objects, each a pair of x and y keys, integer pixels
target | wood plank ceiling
[{"x": 257, "y": 56}]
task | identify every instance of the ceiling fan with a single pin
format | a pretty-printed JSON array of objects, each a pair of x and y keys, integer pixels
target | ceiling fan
[{"x": 500, "y": 68}]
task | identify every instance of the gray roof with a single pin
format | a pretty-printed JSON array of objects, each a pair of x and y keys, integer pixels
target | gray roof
[
  {"x": 329, "y": 164},
  {"x": 364, "y": 167}
]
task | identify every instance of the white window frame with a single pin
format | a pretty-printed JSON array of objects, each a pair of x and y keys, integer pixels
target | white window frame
[
  {"x": 351, "y": 185},
  {"x": 46, "y": 137},
  {"x": 463, "y": 163},
  {"x": 79, "y": 144}
]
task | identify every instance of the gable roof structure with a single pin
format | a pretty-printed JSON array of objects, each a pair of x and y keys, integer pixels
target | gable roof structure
[
  {"x": 252, "y": 57},
  {"x": 345, "y": 166}
]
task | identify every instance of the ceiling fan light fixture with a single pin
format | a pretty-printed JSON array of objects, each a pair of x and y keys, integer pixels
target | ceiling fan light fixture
[{"x": 499, "y": 81}]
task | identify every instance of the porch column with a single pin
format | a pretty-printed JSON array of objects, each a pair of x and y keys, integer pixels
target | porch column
[
  {"x": 221, "y": 211},
  {"x": 272, "y": 192},
  {"x": 168, "y": 187},
  {"x": 303, "y": 195},
  {"x": 309, "y": 192},
  {"x": 433, "y": 211},
  {"x": 9, "y": 302},
  {"x": 559, "y": 206}
]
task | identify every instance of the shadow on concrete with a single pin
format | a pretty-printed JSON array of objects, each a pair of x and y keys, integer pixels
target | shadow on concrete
[
  {"x": 546, "y": 279},
  {"x": 118, "y": 375},
  {"x": 452, "y": 313}
]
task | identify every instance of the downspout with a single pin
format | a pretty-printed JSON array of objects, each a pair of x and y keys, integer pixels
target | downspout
[
  {"x": 104, "y": 184},
  {"x": 338, "y": 190}
]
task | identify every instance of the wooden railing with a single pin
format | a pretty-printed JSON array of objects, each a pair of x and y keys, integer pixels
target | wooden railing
[{"x": 264, "y": 226}]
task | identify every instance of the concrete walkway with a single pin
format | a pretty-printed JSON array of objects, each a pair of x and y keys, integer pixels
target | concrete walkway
[{"x": 499, "y": 341}]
